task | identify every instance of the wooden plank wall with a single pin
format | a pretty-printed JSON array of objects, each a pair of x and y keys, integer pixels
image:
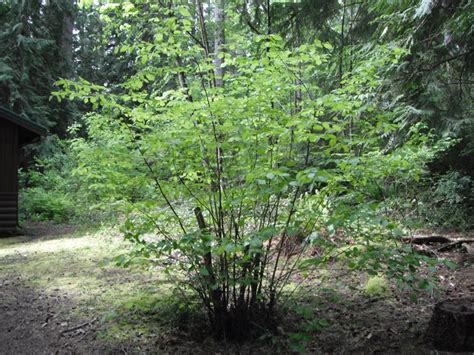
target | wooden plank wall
[{"x": 8, "y": 177}]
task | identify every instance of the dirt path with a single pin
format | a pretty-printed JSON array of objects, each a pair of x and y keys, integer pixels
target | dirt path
[
  {"x": 33, "y": 321},
  {"x": 36, "y": 319}
]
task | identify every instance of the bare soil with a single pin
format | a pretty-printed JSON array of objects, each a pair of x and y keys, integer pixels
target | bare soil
[
  {"x": 33, "y": 321},
  {"x": 388, "y": 325},
  {"x": 41, "y": 321}
]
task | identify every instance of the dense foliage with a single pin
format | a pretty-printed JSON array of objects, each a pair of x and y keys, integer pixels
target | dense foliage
[{"x": 228, "y": 140}]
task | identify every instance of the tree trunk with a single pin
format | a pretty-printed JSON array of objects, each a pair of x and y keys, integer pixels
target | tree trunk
[
  {"x": 219, "y": 43},
  {"x": 341, "y": 53},
  {"x": 66, "y": 38},
  {"x": 67, "y": 68},
  {"x": 452, "y": 325}
]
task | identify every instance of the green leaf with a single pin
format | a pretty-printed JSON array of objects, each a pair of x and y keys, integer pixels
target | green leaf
[
  {"x": 184, "y": 11},
  {"x": 203, "y": 271},
  {"x": 270, "y": 176}
]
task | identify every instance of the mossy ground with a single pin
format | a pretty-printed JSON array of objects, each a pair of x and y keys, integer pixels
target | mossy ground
[
  {"x": 377, "y": 286},
  {"x": 80, "y": 266}
]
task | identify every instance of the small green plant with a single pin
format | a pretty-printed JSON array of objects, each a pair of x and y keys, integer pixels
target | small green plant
[
  {"x": 376, "y": 286},
  {"x": 300, "y": 338}
]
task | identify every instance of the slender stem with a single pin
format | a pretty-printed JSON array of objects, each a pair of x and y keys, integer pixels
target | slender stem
[{"x": 156, "y": 180}]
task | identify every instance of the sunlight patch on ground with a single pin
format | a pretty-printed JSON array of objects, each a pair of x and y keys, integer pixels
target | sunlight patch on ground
[{"x": 23, "y": 247}]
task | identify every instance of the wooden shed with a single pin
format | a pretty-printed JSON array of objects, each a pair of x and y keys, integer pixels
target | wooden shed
[{"x": 15, "y": 131}]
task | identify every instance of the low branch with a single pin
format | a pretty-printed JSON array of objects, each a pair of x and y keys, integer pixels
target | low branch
[{"x": 434, "y": 66}]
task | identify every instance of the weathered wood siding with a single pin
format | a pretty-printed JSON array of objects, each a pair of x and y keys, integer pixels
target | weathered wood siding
[{"x": 8, "y": 177}]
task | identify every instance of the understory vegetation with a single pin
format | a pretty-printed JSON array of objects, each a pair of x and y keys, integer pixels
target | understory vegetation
[{"x": 244, "y": 147}]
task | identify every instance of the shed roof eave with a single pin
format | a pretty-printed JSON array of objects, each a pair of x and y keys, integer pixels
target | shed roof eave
[{"x": 22, "y": 122}]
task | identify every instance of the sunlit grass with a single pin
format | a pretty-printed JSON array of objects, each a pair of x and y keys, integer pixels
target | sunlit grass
[{"x": 20, "y": 246}]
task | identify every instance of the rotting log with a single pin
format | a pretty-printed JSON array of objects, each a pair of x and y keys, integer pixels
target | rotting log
[
  {"x": 451, "y": 327},
  {"x": 428, "y": 239},
  {"x": 436, "y": 239},
  {"x": 462, "y": 242}
]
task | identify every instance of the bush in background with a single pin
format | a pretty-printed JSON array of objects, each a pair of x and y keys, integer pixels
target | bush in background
[{"x": 449, "y": 202}]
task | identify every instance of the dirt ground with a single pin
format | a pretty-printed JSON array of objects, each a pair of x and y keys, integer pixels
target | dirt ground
[
  {"x": 40, "y": 315},
  {"x": 35, "y": 320}
]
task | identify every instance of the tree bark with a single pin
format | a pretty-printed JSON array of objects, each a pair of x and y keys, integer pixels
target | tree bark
[
  {"x": 342, "y": 35},
  {"x": 452, "y": 325},
  {"x": 67, "y": 37}
]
